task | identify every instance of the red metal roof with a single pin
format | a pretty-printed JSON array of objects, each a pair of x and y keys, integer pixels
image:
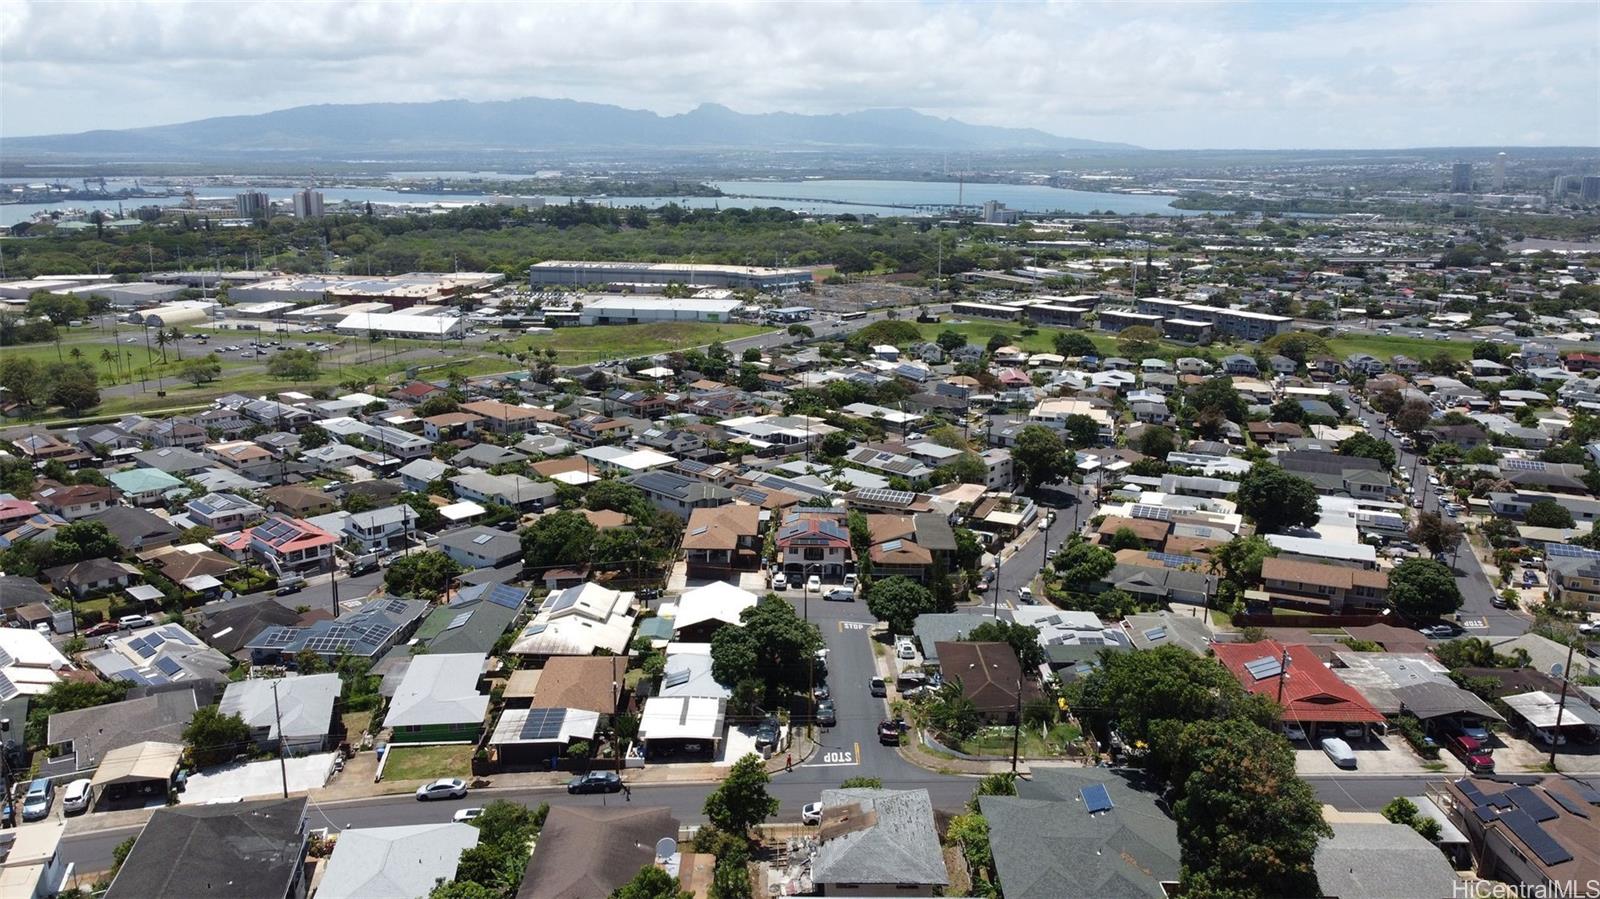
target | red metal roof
[{"x": 1312, "y": 693}]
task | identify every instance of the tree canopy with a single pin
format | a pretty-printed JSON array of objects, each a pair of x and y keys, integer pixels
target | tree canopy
[
  {"x": 1275, "y": 499},
  {"x": 742, "y": 800},
  {"x": 1368, "y": 447},
  {"x": 775, "y": 648},
  {"x": 1023, "y": 639},
  {"x": 423, "y": 575},
  {"x": 1041, "y": 457},
  {"x": 558, "y": 538},
  {"x": 899, "y": 600},
  {"x": 1547, "y": 513},
  {"x": 1421, "y": 589}
]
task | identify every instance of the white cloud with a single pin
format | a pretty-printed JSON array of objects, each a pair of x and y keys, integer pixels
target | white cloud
[{"x": 1156, "y": 74}]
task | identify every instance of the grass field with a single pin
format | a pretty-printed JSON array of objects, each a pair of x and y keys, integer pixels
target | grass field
[
  {"x": 576, "y": 346},
  {"x": 1384, "y": 347},
  {"x": 427, "y": 762}
]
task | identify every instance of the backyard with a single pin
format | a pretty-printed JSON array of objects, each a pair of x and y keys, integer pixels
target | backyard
[{"x": 1036, "y": 743}]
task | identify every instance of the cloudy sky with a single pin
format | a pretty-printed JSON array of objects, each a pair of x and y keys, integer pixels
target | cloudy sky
[{"x": 1169, "y": 75}]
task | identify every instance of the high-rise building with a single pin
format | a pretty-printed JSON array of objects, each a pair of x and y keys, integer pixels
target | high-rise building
[
  {"x": 308, "y": 204},
  {"x": 996, "y": 213},
  {"x": 1461, "y": 178},
  {"x": 253, "y": 205},
  {"x": 1590, "y": 192},
  {"x": 1499, "y": 172}
]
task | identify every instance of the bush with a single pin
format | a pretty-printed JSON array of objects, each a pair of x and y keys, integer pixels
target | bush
[{"x": 1411, "y": 729}]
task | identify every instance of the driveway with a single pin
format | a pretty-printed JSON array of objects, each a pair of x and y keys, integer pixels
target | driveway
[{"x": 1389, "y": 754}]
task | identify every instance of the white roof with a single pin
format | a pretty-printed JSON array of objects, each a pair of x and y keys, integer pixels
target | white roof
[
  {"x": 1324, "y": 549},
  {"x": 578, "y": 621},
  {"x": 718, "y": 600},
  {"x": 394, "y": 861},
  {"x": 574, "y": 478},
  {"x": 576, "y": 724},
  {"x": 27, "y": 647},
  {"x": 1539, "y": 710},
  {"x": 461, "y": 511},
  {"x": 432, "y": 325},
  {"x": 439, "y": 689},
  {"x": 683, "y": 718}
]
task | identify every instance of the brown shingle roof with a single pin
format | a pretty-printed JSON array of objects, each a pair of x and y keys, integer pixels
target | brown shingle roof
[
  {"x": 580, "y": 682},
  {"x": 1303, "y": 572},
  {"x": 720, "y": 527}
]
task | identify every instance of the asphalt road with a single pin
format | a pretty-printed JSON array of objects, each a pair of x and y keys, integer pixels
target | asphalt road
[{"x": 1476, "y": 592}]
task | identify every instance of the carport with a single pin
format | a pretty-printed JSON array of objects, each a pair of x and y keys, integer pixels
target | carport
[
  {"x": 1540, "y": 710},
  {"x": 687, "y": 725},
  {"x": 134, "y": 774}
]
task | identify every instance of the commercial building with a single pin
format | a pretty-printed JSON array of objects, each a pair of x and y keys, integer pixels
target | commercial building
[
  {"x": 131, "y": 295},
  {"x": 253, "y": 204},
  {"x": 400, "y": 324},
  {"x": 184, "y": 312},
  {"x": 996, "y": 213},
  {"x": 308, "y": 204},
  {"x": 1589, "y": 192},
  {"x": 632, "y": 310},
  {"x": 1461, "y": 178},
  {"x": 1117, "y": 319},
  {"x": 562, "y": 273},
  {"x": 399, "y": 291}
]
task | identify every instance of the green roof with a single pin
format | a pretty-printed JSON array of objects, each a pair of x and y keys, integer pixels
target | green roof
[{"x": 142, "y": 480}]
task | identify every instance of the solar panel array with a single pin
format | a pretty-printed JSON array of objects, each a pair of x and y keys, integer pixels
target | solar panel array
[
  {"x": 1154, "y": 513},
  {"x": 1569, "y": 551},
  {"x": 1522, "y": 465},
  {"x": 7, "y": 688},
  {"x": 276, "y": 529},
  {"x": 891, "y": 497},
  {"x": 1529, "y": 801},
  {"x": 458, "y": 621},
  {"x": 543, "y": 724},
  {"x": 675, "y": 678},
  {"x": 169, "y": 667},
  {"x": 1155, "y": 633},
  {"x": 502, "y": 595},
  {"x": 1096, "y": 798},
  {"x": 1264, "y": 667},
  {"x": 1566, "y": 803},
  {"x": 1542, "y": 843},
  {"x": 562, "y": 601},
  {"x": 1171, "y": 560}
]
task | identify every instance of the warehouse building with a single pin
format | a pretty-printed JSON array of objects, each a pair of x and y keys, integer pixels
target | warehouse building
[
  {"x": 631, "y": 310},
  {"x": 400, "y": 291},
  {"x": 186, "y": 312},
  {"x": 128, "y": 296},
  {"x": 399, "y": 324},
  {"x": 561, "y": 273}
]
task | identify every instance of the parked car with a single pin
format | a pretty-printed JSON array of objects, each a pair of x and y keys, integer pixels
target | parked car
[
  {"x": 1025, "y": 595},
  {"x": 134, "y": 622},
  {"x": 467, "y": 814},
  {"x": 1295, "y": 733},
  {"x": 1472, "y": 753},
  {"x": 595, "y": 782},
  {"x": 889, "y": 733},
  {"x": 101, "y": 629},
  {"x": 443, "y": 788},
  {"x": 826, "y": 716},
  {"x": 1435, "y": 631},
  {"x": 905, "y": 650},
  {"x": 76, "y": 797},
  {"x": 288, "y": 589},
  {"x": 812, "y": 813},
  {"x": 1339, "y": 751},
  {"x": 767, "y": 733},
  {"x": 813, "y": 584},
  {"x": 36, "y": 802},
  {"x": 780, "y": 581},
  {"x": 1476, "y": 731},
  {"x": 840, "y": 595},
  {"x": 850, "y": 581},
  {"x": 878, "y": 688},
  {"x": 1498, "y": 601}
]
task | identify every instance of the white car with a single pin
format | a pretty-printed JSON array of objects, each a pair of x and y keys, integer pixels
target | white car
[
  {"x": 1339, "y": 751},
  {"x": 813, "y": 584},
  {"x": 76, "y": 797},
  {"x": 1295, "y": 733},
  {"x": 444, "y": 788},
  {"x": 467, "y": 814},
  {"x": 811, "y": 814},
  {"x": 780, "y": 581}
]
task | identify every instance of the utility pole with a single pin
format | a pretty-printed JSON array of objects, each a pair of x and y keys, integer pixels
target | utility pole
[
  {"x": 277, "y": 720},
  {"x": 1016, "y": 726},
  {"x": 1283, "y": 674},
  {"x": 1561, "y": 706}
]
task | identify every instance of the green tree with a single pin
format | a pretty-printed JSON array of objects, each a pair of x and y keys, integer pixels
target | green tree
[
  {"x": 616, "y": 496},
  {"x": 1547, "y": 513},
  {"x": 1368, "y": 447},
  {"x": 1412, "y": 416},
  {"x": 505, "y": 830},
  {"x": 82, "y": 540},
  {"x": 424, "y": 575},
  {"x": 1081, "y": 430},
  {"x": 558, "y": 539},
  {"x": 1125, "y": 538},
  {"x": 1156, "y": 442},
  {"x": 952, "y": 714},
  {"x": 970, "y": 833},
  {"x": 1246, "y": 822},
  {"x": 213, "y": 738},
  {"x": 741, "y": 801},
  {"x": 312, "y": 437},
  {"x": 775, "y": 647},
  {"x": 69, "y": 696},
  {"x": 651, "y": 883},
  {"x": 950, "y": 341},
  {"x": 462, "y": 889},
  {"x": 1041, "y": 458},
  {"x": 1436, "y": 533},
  {"x": 1275, "y": 499},
  {"x": 1073, "y": 343},
  {"x": 834, "y": 445},
  {"x": 1022, "y": 638},
  {"x": 1218, "y": 395},
  {"x": 1401, "y": 810},
  {"x": 1082, "y": 564},
  {"x": 1138, "y": 341},
  {"x": 73, "y": 386},
  {"x": 1289, "y": 410},
  {"x": 201, "y": 370},
  {"x": 899, "y": 600},
  {"x": 296, "y": 364},
  {"x": 1239, "y": 560},
  {"x": 1420, "y": 589}
]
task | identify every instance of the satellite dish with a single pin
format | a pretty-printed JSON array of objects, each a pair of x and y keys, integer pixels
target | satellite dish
[
  {"x": 1556, "y": 669},
  {"x": 666, "y": 847}
]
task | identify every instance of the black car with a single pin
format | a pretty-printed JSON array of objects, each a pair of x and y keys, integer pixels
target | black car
[
  {"x": 596, "y": 782},
  {"x": 767, "y": 733},
  {"x": 889, "y": 732},
  {"x": 287, "y": 589},
  {"x": 826, "y": 717}
]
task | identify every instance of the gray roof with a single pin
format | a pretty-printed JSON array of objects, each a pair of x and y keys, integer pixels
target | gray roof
[
  {"x": 96, "y": 731},
  {"x": 466, "y": 540},
  {"x": 134, "y": 526},
  {"x": 888, "y": 838},
  {"x": 1160, "y": 581},
  {"x": 1388, "y": 860},
  {"x": 394, "y": 861},
  {"x": 173, "y": 460},
  {"x": 304, "y": 704},
  {"x": 364, "y": 632},
  {"x": 1433, "y": 700},
  {"x": 933, "y": 628},
  {"x": 244, "y": 850},
  {"x": 1046, "y": 845},
  {"x": 1149, "y": 630}
]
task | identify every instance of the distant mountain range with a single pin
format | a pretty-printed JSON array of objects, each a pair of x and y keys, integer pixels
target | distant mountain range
[{"x": 532, "y": 124}]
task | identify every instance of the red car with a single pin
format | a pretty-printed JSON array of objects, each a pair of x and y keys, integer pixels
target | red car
[
  {"x": 101, "y": 629},
  {"x": 1473, "y": 754}
]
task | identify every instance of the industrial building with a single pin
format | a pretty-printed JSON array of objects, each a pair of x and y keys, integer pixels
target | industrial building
[
  {"x": 399, "y": 290},
  {"x": 131, "y": 295},
  {"x": 400, "y": 324},
  {"x": 631, "y": 310},
  {"x": 184, "y": 312},
  {"x": 562, "y": 273}
]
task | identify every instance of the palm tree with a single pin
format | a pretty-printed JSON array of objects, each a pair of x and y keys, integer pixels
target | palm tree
[
  {"x": 76, "y": 354},
  {"x": 161, "y": 341},
  {"x": 107, "y": 358},
  {"x": 176, "y": 337}
]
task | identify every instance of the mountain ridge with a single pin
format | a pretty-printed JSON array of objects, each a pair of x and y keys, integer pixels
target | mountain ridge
[{"x": 537, "y": 123}]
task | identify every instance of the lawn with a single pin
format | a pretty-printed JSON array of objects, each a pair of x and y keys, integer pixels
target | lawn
[
  {"x": 978, "y": 334},
  {"x": 576, "y": 346},
  {"x": 996, "y": 741},
  {"x": 1384, "y": 347},
  {"x": 427, "y": 762}
]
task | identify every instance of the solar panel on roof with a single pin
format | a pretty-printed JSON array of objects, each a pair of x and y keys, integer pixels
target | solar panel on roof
[
  {"x": 1522, "y": 464},
  {"x": 155, "y": 639},
  {"x": 169, "y": 667},
  {"x": 1095, "y": 798},
  {"x": 1155, "y": 633},
  {"x": 458, "y": 621},
  {"x": 1568, "y": 550},
  {"x": 1264, "y": 667},
  {"x": 1171, "y": 560},
  {"x": 1549, "y": 850},
  {"x": 675, "y": 678},
  {"x": 1568, "y": 804},
  {"x": 510, "y": 597},
  {"x": 144, "y": 649},
  {"x": 566, "y": 599},
  {"x": 1154, "y": 513},
  {"x": 543, "y": 724},
  {"x": 893, "y": 546},
  {"x": 1471, "y": 791},
  {"x": 481, "y": 539},
  {"x": 1589, "y": 794},
  {"x": 181, "y": 635},
  {"x": 7, "y": 688},
  {"x": 1529, "y": 802}
]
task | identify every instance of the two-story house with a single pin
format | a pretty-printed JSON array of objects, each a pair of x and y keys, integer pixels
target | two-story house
[
  {"x": 288, "y": 544},
  {"x": 724, "y": 538},
  {"x": 1575, "y": 580},
  {"x": 815, "y": 542},
  {"x": 380, "y": 530},
  {"x": 224, "y": 512},
  {"x": 1326, "y": 588},
  {"x": 677, "y": 494},
  {"x": 72, "y": 502}
]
